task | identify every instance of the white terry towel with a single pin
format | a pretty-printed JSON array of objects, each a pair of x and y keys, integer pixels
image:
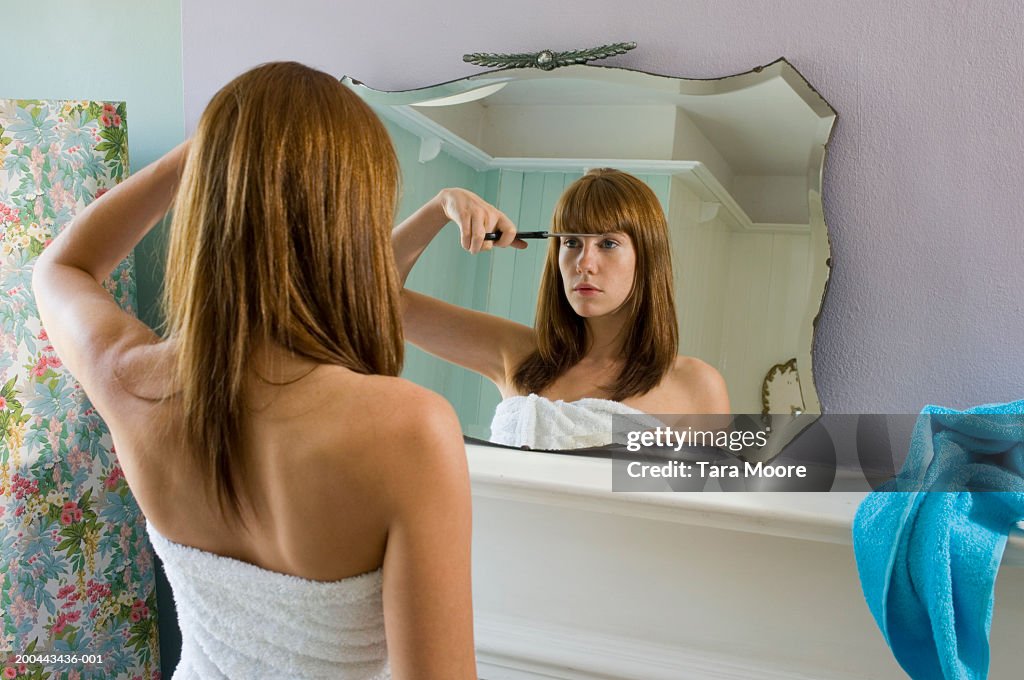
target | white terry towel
[
  {"x": 539, "y": 423},
  {"x": 240, "y": 621}
]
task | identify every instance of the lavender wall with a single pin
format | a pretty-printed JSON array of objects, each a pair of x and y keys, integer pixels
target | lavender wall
[{"x": 923, "y": 185}]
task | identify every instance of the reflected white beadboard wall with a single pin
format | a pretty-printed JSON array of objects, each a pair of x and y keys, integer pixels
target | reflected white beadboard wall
[
  {"x": 741, "y": 296},
  {"x": 700, "y": 253},
  {"x": 921, "y": 308},
  {"x": 762, "y": 327}
]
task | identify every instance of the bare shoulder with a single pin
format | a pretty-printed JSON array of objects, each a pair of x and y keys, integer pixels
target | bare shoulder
[
  {"x": 409, "y": 429},
  {"x": 692, "y": 368},
  {"x": 699, "y": 385},
  {"x": 406, "y": 408}
]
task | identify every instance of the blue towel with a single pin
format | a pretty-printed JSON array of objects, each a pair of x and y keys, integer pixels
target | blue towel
[{"x": 928, "y": 550}]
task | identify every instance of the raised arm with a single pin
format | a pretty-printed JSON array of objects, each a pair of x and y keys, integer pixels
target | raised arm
[
  {"x": 86, "y": 327},
  {"x": 483, "y": 343}
]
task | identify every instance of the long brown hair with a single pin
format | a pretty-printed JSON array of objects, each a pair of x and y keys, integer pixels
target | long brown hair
[
  {"x": 281, "y": 234},
  {"x": 603, "y": 201}
]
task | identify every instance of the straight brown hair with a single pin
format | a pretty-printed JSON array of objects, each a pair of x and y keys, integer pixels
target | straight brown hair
[
  {"x": 281, "y": 234},
  {"x": 603, "y": 201}
]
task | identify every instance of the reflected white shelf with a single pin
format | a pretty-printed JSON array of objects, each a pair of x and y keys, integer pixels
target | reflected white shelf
[{"x": 698, "y": 177}]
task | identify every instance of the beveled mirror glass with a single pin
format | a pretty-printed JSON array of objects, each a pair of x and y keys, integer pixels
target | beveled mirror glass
[{"x": 736, "y": 163}]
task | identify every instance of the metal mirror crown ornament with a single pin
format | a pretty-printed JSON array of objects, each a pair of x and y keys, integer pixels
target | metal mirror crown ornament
[{"x": 735, "y": 162}]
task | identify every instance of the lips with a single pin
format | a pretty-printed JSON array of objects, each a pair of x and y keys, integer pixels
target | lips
[{"x": 587, "y": 289}]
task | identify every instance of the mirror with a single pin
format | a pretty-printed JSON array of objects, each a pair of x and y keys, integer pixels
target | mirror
[{"x": 736, "y": 164}]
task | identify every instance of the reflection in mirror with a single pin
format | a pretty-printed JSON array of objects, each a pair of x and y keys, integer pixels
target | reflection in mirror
[{"x": 735, "y": 165}]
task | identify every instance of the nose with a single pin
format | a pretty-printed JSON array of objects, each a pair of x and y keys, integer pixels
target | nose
[{"x": 586, "y": 261}]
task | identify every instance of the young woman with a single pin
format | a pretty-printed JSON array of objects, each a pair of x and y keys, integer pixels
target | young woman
[
  {"x": 308, "y": 527},
  {"x": 605, "y": 339}
]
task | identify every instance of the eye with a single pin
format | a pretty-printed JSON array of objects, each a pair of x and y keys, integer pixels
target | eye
[
  {"x": 609, "y": 243},
  {"x": 571, "y": 242}
]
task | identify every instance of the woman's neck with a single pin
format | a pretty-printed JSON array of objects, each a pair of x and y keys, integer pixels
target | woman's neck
[
  {"x": 605, "y": 337},
  {"x": 272, "y": 364}
]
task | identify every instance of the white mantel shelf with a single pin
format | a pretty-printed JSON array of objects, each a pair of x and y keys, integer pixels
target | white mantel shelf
[
  {"x": 572, "y": 581},
  {"x": 585, "y": 483}
]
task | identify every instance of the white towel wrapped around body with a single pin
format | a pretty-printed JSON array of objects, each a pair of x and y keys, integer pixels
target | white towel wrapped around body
[
  {"x": 540, "y": 423},
  {"x": 240, "y": 621}
]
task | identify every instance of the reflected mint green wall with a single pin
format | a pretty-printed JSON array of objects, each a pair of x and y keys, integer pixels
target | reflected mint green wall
[
  {"x": 115, "y": 50},
  {"x": 445, "y": 270}
]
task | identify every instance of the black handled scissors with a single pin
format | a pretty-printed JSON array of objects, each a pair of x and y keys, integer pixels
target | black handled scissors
[{"x": 495, "y": 235}]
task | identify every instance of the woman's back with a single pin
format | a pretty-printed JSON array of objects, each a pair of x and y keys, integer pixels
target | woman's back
[
  {"x": 310, "y": 459},
  {"x": 330, "y": 463}
]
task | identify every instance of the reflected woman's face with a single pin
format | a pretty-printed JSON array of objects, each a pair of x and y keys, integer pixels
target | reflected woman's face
[{"x": 597, "y": 271}]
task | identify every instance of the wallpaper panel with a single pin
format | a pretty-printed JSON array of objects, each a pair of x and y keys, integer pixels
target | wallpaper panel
[{"x": 76, "y": 567}]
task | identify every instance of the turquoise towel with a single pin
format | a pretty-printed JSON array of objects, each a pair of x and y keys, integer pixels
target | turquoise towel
[{"x": 928, "y": 549}]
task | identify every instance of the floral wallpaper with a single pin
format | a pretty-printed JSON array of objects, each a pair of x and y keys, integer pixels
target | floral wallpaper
[{"x": 77, "y": 589}]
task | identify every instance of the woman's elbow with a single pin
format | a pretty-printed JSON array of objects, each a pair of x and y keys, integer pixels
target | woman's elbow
[{"x": 42, "y": 273}]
